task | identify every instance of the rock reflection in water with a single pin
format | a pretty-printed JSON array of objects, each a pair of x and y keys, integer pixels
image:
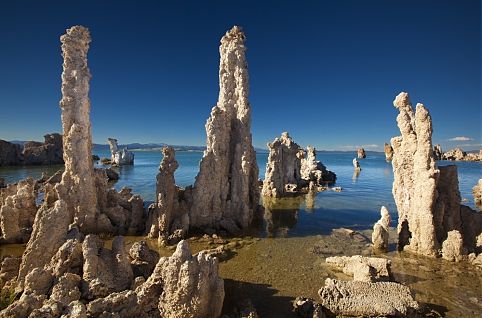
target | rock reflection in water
[{"x": 281, "y": 214}]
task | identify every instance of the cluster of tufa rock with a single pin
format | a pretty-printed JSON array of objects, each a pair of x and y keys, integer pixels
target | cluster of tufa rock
[
  {"x": 387, "y": 148},
  {"x": 290, "y": 170},
  {"x": 381, "y": 230},
  {"x": 458, "y": 154},
  {"x": 427, "y": 197},
  {"x": 119, "y": 157},
  {"x": 360, "y": 153},
  {"x": 370, "y": 294},
  {"x": 48, "y": 152}
]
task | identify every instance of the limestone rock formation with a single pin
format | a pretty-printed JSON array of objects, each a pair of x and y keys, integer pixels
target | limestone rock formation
[
  {"x": 47, "y": 153},
  {"x": 17, "y": 211},
  {"x": 452, "y": 247},
  {"x": 10, "y": 154},
  {"x": 477, "y": 191},
  {"x": 105, "y": 271},
  {"x": 120, "y": 157},
  {"x": 380, "y": 231},
  {"x": 290, "y": 171},
  {"x": 168, "y": 219},
  {"x": 437, "y": 152},
  {"x": 143, "y": 259},
  {"x": 361, "y": 153},
  {"x": 314, "y": 170},
  {"x": 78, "y": 179},
  {"x": 387, "y": 148},
  {"x": 456, "y": 154},
  {"x": 427, "y": 198},
  {"x": 364, "y": 269},
  {"x": 192, "y": 287},
  {"x": 364, "y": 299},
  {"x": 283, "y": 167},
  {"x": 226, "y": 193}
]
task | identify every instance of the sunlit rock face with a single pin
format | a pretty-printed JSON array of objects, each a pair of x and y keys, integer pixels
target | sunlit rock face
[
  {"x": 360, "y": 152},
  {"x": 119, "y": 157},
  {"x": 283, "y": 167},
  {"x": 427, "y": 198},
  {"x": 78, "y": 179},
  {"x": 17, "y": 211},
  {"x": 290, "y": 169},
  {"x": 387, "y": 148},
  {"x": 168, "y": 219},
  {"x": 226, "y": 193},
  {"x": 381, "y": 230}
]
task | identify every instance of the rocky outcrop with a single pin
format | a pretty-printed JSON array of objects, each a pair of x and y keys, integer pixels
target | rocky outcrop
[
  {"x": 452, "y": 247},
  {"x": 168, "y": 218},
  {"x": 47, "y": 153},
  {"x": 17, "y": 211},
  {"x": 226, "y": 193},
  {"x": 143, "y": 259},
  {"x": 364, "y": 269},
  {"x": 365, "y": 299},
  {"x": 283, "y": 169},
  {"x": 360, "y": 153},
  {"x": 387, "y": 148},
  {"x": 290, "y": 170},
  {"x": 477, "y": 191},
  {"x": 308, "y": 308},
  {"x": 380, "y": 231},
  {"x": 119, "y": 157},
  {"x": 105, "y": 271},
  {"x": 456, "y": 154},
  {"x": 10, "y": 154},
  {"x": 427, "y": 198},
  {"x": 192, "y": 287},
  {"x": 437, "y": 152},
  {"x": 314, "y": 170}
]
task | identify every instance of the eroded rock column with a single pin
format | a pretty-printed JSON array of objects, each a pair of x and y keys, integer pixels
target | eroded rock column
[
  {"x": 78, "y": 179},
  {"x": 226, "y": 192}
]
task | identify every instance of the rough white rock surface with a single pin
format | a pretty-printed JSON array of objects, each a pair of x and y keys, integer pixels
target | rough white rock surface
[
  {"x": 120, "y": 157},
  {"x": 427, "y": 198},
  {"x": 453, "y": 247},
  {"x": 313, "y": 170},
  {"x": 226, "y": 193},
  {"x": 168, "y": 219},
  {"x": 283, "y": 167},
  {"x": 192, "y": 287},
  {"x": 17, "y": 211},
  {"x": 381, "y": 230},
  {"x": 364, "y": 299}
]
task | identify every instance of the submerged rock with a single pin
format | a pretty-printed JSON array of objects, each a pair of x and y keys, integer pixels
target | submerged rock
[
  {"x": 367, "y": 299},
  {"x": 226, "y": 189},
  {"x": 364, "y": 269},
  {"x": 380, "y": 231},
  {"x": 119, "y": 157}
]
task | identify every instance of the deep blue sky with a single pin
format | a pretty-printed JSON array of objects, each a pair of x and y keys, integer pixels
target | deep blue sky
[{"x": 327, "y": 72}]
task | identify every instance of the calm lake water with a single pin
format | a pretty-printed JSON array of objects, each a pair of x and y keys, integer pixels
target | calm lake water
[{"x": 357, "y": 206}]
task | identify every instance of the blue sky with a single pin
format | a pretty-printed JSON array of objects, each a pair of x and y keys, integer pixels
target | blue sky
[{"x": 326, "y": 71}]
